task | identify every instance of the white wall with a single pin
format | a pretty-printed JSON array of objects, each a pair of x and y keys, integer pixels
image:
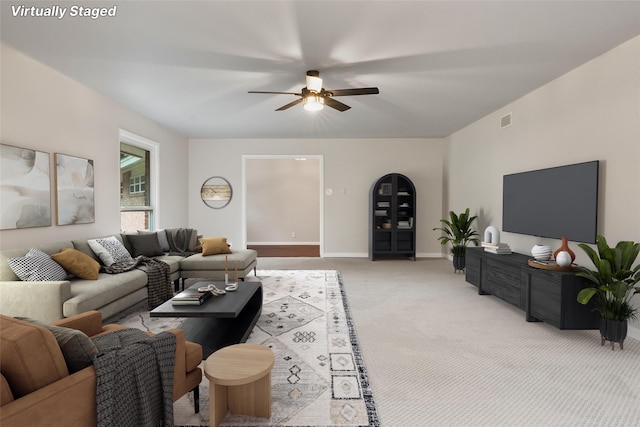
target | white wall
[
  {"x": 282, "y": 197},
  {"x": 47, "y": 111},
  {"x": 590, "y": 113},
  {"x": 350, "y": 164}
]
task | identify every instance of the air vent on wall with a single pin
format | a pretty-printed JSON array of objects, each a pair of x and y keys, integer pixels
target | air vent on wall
[{"x": 505, "y": 121}]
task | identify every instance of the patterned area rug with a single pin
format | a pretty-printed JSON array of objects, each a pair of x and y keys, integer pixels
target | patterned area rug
[{"x": 319, "y": 377}]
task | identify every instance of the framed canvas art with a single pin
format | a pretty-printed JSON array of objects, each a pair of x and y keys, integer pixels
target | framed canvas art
[
  {"x": 75, "y": 203},
  {"x": 25, "y": 188}
]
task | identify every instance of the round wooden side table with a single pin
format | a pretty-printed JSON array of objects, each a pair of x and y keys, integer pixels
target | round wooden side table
[{"x": 240, "y": 381}]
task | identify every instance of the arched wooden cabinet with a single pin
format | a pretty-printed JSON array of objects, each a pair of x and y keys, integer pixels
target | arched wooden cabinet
[{"x": 392, "y": 218}]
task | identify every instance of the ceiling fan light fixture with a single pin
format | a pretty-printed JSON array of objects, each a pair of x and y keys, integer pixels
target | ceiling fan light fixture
[
  {"x": 313, "y": 103},
  {"x": 314, "y": 82}
]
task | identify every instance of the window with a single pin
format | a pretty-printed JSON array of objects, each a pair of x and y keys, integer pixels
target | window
[{"x": 137, "y": 183}]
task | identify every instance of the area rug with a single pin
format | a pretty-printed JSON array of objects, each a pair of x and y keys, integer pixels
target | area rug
[{"x": 319, "y": 377}]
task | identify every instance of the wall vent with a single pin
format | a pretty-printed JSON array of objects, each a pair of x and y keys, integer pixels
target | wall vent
[{"x": 505, "y": 121}]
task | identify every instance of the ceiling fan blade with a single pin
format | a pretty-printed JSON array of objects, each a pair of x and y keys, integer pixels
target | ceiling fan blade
[
  {"x": 329, "y": 102},
  {"x": 277, "y": 93},
  {"x": 357, "y": 91},
  {"x": 289, "y": 105}
]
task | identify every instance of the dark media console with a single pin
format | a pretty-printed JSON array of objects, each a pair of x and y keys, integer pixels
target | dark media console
[{"x": 545, "y": 295}]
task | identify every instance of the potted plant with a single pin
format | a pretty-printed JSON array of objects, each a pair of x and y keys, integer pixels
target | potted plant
[
  {"x": 458, "y": 231},
  {"x": 615, "y": 281}
]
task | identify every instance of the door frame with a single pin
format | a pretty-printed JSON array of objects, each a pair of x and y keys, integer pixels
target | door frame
[{"x": 318, "y": 157}]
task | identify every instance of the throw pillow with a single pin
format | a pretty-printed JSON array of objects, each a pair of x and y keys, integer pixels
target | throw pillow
[
  {"x": 146, "y": 244},
  {"x": 162, "y": 238},
  {"x": 77, "y": 263},
  {"x": 109, "y": 250},
  {"x": 77, "y": 348},
  {"x": 164, "y": 242},
  {"x": 214, "y": 246},
  {"x": 37, "y": 266}
]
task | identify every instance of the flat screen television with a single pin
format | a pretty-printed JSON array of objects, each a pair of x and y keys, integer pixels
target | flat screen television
[{"x": 553, "y": 202}]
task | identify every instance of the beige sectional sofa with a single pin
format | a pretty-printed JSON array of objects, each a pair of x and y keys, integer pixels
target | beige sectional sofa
[{"x": 111, "y": 293}]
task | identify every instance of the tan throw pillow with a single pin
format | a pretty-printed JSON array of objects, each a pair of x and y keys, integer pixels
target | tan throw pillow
[
  {"x": 77, "y": 263},
  {"x": 214, "y": 246}
]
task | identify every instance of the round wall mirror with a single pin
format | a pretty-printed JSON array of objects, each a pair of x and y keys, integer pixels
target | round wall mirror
[{"x": 216, "y": 192}]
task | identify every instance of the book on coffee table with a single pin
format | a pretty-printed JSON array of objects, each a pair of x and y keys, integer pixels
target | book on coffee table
[{"x": 190, "y": 297}]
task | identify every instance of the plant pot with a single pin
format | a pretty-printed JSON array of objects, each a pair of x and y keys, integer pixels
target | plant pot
[
  {"x": 459, "y": 263},
  {"x": 614, "y": 331}
]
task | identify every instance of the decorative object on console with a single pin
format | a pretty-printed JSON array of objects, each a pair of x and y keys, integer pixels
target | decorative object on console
[
  {"x": 74, "y": 190},
  {"x": 458, "y": 231},
  {"x": 563, "y": 259},
  {"x": 216, "y": 192},
  {"x": 541, "y": 252},
  {"x": 492, "y": 243},
  {"x": 500, "y": 248},
  {"x": 25, "y": 193},
  {"x": 492, "y": 235},
  {"x": 615, "y": 283},
  {"x": 565, "y": 247}
]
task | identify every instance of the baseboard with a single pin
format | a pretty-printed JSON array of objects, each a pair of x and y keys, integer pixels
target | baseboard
[
  {"x": 366, "y": 255},
  {"x": 283, "y": 243}
]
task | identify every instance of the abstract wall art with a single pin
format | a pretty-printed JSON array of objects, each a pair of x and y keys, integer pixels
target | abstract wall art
[
  {"x": 75, "y": 203},
  {"x": 25, "y": 189}
]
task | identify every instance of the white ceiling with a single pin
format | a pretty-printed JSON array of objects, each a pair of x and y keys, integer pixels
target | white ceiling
[{"x": 439, "y": 65}]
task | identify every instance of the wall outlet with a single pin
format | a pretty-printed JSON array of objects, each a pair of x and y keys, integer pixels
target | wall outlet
[
  {"x": 293, "y": 234},
  {"x": 329, "y": 191}
]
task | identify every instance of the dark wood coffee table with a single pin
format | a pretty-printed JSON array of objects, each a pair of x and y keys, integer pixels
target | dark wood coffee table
[{"x": 221, "y": 320}]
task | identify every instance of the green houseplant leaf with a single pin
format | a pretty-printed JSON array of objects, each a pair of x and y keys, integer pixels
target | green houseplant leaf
[
  {"x": 614, "y": 278},
  {"x": 457, "y": 230}
]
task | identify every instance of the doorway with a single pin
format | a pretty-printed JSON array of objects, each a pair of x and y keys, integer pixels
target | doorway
[{"x": 282, "y": 205}]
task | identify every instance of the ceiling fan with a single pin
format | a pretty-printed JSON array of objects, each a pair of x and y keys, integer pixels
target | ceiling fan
[{"x": 314, "y": 97}]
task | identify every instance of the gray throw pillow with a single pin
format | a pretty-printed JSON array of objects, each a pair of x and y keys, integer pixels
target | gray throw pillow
[
  {"x": 77, "y": 348},
  {"x": 145, "y": 244}
]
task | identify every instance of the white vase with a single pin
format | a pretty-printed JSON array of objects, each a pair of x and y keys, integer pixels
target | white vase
[
  {"x": 563, "y": 259},
  {"x": 541, "y": 252}
]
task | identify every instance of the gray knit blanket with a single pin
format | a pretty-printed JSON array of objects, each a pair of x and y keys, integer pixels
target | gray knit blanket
[
  {"x": 158, "y": 277},
  {"x": 134, "y": 379},
  {"x": 180, "y": 241}
]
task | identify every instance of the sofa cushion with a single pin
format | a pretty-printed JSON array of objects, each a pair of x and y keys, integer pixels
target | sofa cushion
[
  {"x": 108, "y": 289},
  {"x": 146, "y": 244},
  {"x": 214, "y": 246},
  {"x": 109, "y": 250},
  {"x": 31, "y": 357},
  {"x": 242, "y": 258},
  {"x": 77, "y": 263},
  {"x": 6, "y": 395},
  {"x": 37, "y": 266},
  {"x": 77, "y": 348}
]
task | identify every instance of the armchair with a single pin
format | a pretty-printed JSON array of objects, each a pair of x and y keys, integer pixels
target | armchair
[{"x": 36, "y": 388}]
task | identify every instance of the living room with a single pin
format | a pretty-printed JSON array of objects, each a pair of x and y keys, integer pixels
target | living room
[{"x": 591, "y": 112}]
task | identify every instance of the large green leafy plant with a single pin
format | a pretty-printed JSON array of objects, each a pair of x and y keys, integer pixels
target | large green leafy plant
[
  {"x": 457, "y": 230},
  {"x": 614, "y": 277}
]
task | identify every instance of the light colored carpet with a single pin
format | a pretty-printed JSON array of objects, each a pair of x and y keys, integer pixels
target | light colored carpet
[
  {"x": 439, "y": 354},
  {"x": 318, "y": 377}
]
